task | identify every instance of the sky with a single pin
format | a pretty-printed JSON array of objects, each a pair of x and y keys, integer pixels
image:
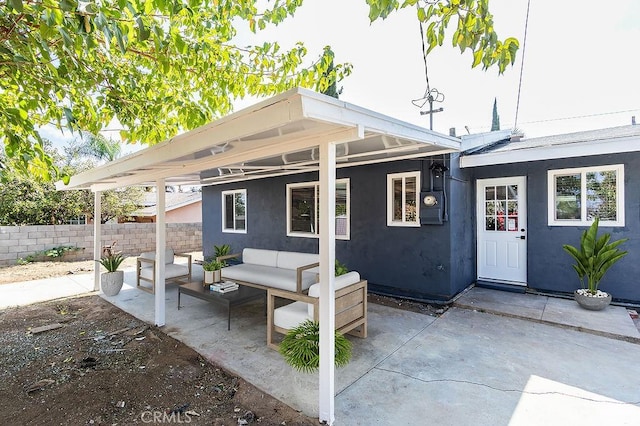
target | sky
[
  {"x": 581, "y": 59},
  {"x": 580, "y": 72}
]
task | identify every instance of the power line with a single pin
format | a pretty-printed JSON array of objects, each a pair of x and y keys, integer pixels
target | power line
[
  {"x": 581, "y": 116},
  {"x": 524, "y": 46}
]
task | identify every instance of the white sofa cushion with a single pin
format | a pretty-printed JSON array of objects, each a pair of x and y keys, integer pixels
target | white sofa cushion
[
  {"x": 170, "y": 271},
  {"x": 260, "y": 257},
  {"x": 284, "y": 279},
  {"x": 291, "y": 315},
  {"x": 294, "y": 260},
  {"x": 340, "y": 282},
  {"x": 151, "y": 255}
]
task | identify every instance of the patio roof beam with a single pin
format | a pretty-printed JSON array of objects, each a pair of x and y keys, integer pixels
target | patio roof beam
[
  {"x": 341, "y": 134},
  {"x": 235, "y": 126}
]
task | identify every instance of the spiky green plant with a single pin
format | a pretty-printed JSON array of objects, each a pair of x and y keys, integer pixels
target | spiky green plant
[
  {"x": 595, "y": 256},
  {"x": 112, "y": 261},
  {"x": 300, "y": 347},
  {"x": 222, "y": 250},
  {"x": 341, "y": 268}
]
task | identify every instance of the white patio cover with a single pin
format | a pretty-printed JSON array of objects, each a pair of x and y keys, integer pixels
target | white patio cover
[{"x": 295, "y": 132}]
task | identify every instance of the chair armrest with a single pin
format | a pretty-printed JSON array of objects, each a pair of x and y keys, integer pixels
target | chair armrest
[
  {"x": 299, "y": 271},
  {"x": 142, "y": 260},
  {"x": 228, "y": 256},
  {"x": 290, "y": 295},
  {"x": 188, "y": 256}
]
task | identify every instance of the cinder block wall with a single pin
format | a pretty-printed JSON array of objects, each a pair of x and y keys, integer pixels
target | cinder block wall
[{"x": 132, "y": 238}]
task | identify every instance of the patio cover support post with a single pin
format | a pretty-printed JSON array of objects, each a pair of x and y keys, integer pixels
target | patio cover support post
[
  {"x": 97, "y": 238},
  {"x": 161, "y": 242},
  {"x": 327, "y": 252}
]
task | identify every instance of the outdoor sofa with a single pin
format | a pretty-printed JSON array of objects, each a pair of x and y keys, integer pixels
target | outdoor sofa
[{"x": 293, "y": 276}]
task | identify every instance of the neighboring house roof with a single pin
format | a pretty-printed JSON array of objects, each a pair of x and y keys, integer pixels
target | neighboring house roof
[
  {"x": 174, "y": 200},
  {"x": 592, "y": 142}
]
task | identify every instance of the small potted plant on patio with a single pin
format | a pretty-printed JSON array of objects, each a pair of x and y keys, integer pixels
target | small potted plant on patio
[
  {"x": 112, "y": 280},
  {"x": 593, "y": 259},
  {"x": 212, "y": 271}
]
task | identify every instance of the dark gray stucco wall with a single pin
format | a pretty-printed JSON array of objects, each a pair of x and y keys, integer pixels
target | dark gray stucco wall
[
  {"x": 429, "y": 262},
  {"x": 463, "y": 226},
  {"x": 548, "y": 266}
]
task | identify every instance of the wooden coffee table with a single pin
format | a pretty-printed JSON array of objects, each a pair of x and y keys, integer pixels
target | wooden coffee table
[{"x": 244, "y": 294}]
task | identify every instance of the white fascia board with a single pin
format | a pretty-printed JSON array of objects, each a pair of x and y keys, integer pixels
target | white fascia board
[
  {"x": 480, "y": 139},
  {"x": 329, "y": 110},
  {"x": 578, "y": 149}
]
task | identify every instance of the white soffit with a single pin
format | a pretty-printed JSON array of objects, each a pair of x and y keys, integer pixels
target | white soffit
[
  {"x": 580, "y": 144},
  {"x": 275, "y": 137}
]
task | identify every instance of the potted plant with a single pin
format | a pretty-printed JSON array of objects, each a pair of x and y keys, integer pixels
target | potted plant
[
  {"x": 212, "y": 271},
  {"x": 593, "y": 260},
  {"x": 112, "y": 280},
  {"x": 221, "y": 251}
]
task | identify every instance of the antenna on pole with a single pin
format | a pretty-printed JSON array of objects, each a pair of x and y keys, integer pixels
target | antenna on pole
[{"x": 430, "y": 95}]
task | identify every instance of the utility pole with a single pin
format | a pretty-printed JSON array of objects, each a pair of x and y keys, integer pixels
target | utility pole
[{"x": 431, "y": 111}]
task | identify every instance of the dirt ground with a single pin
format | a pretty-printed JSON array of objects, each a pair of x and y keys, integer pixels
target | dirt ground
[{"x": 103, "y": 366}]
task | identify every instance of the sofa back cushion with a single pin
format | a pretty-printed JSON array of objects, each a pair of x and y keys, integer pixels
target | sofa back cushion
[
  {"x": 151, "y": 255},
  {"x": 293, "y": 260},
  {"x": 260, "y": 257}
]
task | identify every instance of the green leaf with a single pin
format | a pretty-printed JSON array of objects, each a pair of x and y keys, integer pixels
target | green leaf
[
  {"x": 143, "y": 31},
  {"x": 68, "y": 5},
  {"x": 16, "y": 5},
  {"x": 119, "y": 38},
  {"x": 477, "y": 57}
]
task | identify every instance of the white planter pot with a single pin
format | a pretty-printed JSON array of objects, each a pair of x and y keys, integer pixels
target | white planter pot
[
  {"x": 208, "y": 277},
  {"x": 592, "y": 303},
  {"x": 217, "y": 276},
  {"x": 111, "y": 282}
]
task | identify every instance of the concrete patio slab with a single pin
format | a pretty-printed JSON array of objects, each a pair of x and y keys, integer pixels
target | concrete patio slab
[
  {"x": 25, "y": 293},
  {"x": 527, "y": 362},
  {"x": 613, "y": 321},
  {"x": 517, "y": 304},
  {"x": 243, "y": 350},
  {"x": 474, "y": 368}
]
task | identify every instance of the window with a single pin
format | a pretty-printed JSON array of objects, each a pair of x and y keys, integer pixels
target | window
[
  {"x": 303, "y": 209},
  {"x": 234, "y": 211},
  {"x": 402, "y": 199},
  {"x": 577, "y": 196},
  {"x": 78, "y": 220}
]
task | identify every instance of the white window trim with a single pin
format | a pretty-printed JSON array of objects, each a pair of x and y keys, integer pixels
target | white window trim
[
  {"x": 316, "y": 184},
  {"x": 224, "y": 212},
  {"x": 403, "y": 222},
  {"x": 551, "y": 192}
]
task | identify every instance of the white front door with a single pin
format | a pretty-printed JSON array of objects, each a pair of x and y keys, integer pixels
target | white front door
[{"x": 502, "y": 230}]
